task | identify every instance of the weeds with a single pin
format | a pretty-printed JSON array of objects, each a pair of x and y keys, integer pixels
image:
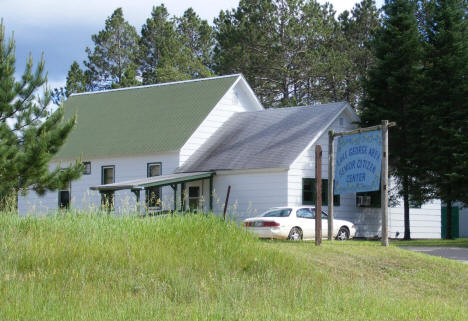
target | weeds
[{"x": 78, "y": 266}]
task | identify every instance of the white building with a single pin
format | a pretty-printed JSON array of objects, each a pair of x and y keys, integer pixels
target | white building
[{"x": 200, "y": 136}]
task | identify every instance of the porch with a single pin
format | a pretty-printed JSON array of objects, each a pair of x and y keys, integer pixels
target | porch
[{"x": 177, "y": 181}]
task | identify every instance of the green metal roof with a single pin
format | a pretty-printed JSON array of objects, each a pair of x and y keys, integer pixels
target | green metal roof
[{"x": 139, "y": 120}]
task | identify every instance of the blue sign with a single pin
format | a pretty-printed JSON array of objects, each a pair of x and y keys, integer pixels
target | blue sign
[{"x": 358, "y": 163}]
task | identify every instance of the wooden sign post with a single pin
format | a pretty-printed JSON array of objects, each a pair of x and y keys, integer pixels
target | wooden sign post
[
  {"x": 384, "y": 183},
  {"x": 383, "y": 176},
  {"x": 226, "y": 203},
  {"x": 318, "y": 195},
  {"x": 331, "y": 179}
]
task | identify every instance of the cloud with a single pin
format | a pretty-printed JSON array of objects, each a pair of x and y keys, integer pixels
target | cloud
[{"x": 62, "y": 29}]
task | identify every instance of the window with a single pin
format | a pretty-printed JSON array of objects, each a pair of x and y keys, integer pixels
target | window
[
  {"x": 87, "y": 168},
  {"x": 107, "y": 174},
  {"x": 308, "y": 192},
  {"x": 64, "y": 196},
  {"x": 153, "y": 169},
  {"x": 107, "y": 177},
  {"x": 305, "y": 213},
  {"x": 324, "y": 215},
  {"x": 153, "y": 194},
  {"x": 280, "y": 212},
  {"x": 64, "y": 199},
  {"x": 368, "y": 199},
  {"x": 194, "y": 198}
]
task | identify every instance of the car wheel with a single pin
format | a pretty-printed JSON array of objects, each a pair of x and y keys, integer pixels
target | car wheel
[
  {"x": 343, "y": 234},
  {"x": 295, "y": 234}
]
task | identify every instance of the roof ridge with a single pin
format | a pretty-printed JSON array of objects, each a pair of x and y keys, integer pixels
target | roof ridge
[
  {"x": 154, "y": 85},
  {"x": 270, "y": 109}
]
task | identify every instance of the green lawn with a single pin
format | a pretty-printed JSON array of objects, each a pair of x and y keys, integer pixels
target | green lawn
[
  {"x": 454, "y": 243},
  {"x": 83, "y": 267}
]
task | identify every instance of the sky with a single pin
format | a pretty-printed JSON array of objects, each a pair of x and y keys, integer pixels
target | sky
[{"x": 62, "y": 29}]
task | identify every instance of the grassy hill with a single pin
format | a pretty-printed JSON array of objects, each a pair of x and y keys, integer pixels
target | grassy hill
[{"x": 83, "y": 267}]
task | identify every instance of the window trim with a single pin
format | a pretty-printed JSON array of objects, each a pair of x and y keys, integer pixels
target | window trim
[
  {"x": 102, "y": 173},
  {"x": 84, "y": 172},
  {"x": 153, "y": 163}
]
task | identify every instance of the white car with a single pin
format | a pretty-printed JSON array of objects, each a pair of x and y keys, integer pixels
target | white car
[{"x": 296, "y": 223}]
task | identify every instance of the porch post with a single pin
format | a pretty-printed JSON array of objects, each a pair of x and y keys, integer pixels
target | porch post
[
  {"x": 182, "y": 197},
  {"x": 211, "y": 193},
  {"x": 137, "y": 193},
  {"x": 174, "y": 187}
]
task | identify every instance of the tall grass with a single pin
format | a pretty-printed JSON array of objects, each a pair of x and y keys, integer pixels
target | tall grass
[{"x": 194, "y": 267}]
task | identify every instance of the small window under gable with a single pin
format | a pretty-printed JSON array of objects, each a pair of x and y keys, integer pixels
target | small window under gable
[
  {"x": 87, "y": 168},
  {"x": 108, "y": 174}
]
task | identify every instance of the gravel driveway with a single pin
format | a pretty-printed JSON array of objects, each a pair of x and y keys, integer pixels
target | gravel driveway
[{"x": 453, "y": 253}]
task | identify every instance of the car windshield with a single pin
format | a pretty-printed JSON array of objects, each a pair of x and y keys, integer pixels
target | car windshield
[{"x": 277, "y": 212}]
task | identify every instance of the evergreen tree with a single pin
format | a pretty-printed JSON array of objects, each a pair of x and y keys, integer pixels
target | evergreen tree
[
  {"x": 359, "y": 27},
  {"x": 393, "y": 91},
  {"x": 30, "y": 134},
  {"x": 76, "y": 80},
  {"x": 446, "y": 101},
  {"x": 115, "y": 50},
  {"x": 169, "y": 55},
  {"x": 58, "y": 95},
  {"x": 328, "y": 81},
  {"x": 197, "y": 35},
  {"x": 283, "y": 48},
  {"x": 76, "y": 83}
]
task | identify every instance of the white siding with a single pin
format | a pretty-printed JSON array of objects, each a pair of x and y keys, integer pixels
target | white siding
[
  {"x": 463, "y": 220},
  {"x": 235, "y": 100},
  {"x": 425, "y": 222},
  {"x": 126, "y": 168},
  {"x": 252, "y": 192},
  {"x": 366, "y": 220}
]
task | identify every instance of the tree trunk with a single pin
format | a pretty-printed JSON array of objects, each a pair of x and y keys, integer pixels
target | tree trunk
[
  {"x": 406, "y": 207},
  {"x": 449, "y": 220}
]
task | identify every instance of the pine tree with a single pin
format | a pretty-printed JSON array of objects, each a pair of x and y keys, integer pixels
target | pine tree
[
  {"x": 169, "y": 53},
  {"x": 393, "y": 91},
  {"x": 30, "y": 134},
  {"x": 359, "y": 27},
  {"x": 288, "y": 50},
  {"x": 76, "y": 80},
  {"x": 329, "y": 80},
  {"x": 446, "y": 100},
  {"x": 197, "y": 35},
  {"x": 115, "y": 50}
]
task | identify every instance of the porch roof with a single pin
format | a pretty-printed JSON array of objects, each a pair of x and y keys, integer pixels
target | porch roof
[{"x": 161, "y": 180}]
